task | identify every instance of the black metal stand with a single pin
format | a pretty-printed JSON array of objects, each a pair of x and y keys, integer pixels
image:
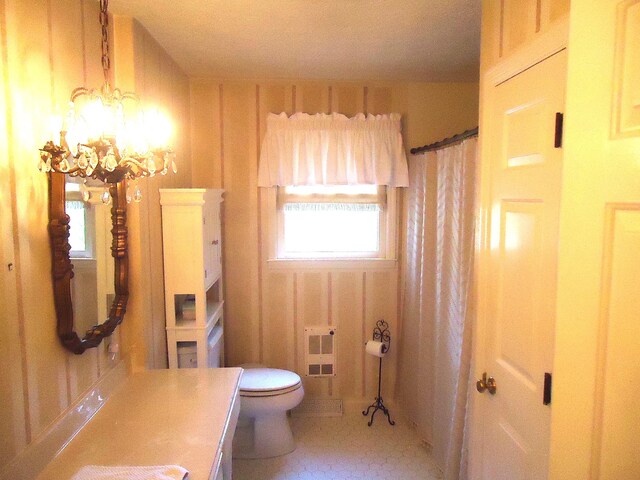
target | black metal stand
[{"x": 380, "y": 333}]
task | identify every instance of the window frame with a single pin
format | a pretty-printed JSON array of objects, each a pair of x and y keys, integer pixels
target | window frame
[
  {"x": 387, "y": 198},
  {"x": 89, "y": 227}
]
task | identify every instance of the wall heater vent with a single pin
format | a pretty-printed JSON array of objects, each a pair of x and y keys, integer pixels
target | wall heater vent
[{"x": 320, "y": 351}]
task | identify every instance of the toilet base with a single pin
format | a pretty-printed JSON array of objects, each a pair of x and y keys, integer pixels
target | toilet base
[{"x": 265, "y": 436}]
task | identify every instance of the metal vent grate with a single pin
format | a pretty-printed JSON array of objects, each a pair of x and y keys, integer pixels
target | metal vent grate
[{"x": 320, "y": 351}]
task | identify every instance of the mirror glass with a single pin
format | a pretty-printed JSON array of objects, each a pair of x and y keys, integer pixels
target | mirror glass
[{"x": 90, "y": 238}]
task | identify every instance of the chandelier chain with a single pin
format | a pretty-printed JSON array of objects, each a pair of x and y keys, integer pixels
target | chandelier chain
[{"x": 104, "y": 23}]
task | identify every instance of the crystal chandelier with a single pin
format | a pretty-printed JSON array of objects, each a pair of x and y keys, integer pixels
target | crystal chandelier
[{"x": 105, "y": 134}]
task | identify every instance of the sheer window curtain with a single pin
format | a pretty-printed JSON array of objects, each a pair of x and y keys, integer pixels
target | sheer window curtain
[
  {"x": 435, "y": 350},
  {"x": 322, "y": 149}
]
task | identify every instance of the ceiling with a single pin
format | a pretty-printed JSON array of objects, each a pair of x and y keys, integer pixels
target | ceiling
[{"x": 413, "y": 40}]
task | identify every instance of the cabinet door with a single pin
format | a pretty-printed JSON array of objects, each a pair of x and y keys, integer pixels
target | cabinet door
[
  {"x": 211, "y": 242},
  {"x": 207, "y": 222},
  {"x": 217, "y": 241}
]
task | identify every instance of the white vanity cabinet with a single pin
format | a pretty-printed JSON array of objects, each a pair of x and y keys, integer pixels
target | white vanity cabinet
[
  {"x": 192, "y": 254},
  {"x": 155, "y": 417}
]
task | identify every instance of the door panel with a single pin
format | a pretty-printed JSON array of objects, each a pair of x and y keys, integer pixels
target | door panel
[
  {"x": 523, "y": 179},
  {"x": 620, "y": 424}
]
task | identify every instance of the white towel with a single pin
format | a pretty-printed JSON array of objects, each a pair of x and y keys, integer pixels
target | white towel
[{"x": 160, "y": 472}]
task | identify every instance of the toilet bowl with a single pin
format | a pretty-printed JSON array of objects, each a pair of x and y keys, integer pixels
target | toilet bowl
[{"x": 266, "y": 394}]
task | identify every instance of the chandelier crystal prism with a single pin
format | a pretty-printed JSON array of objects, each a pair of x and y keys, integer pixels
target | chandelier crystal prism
[{"x": 106, "y": 135}]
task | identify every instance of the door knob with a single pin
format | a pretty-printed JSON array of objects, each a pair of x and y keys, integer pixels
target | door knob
[{"x": 486, "y": 384}]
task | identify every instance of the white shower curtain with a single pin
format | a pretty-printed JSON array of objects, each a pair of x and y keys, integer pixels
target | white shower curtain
[{"x": 436, "y": 336}]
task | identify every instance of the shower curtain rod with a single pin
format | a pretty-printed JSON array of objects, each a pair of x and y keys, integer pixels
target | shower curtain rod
[{"x": 446, "y": 142}]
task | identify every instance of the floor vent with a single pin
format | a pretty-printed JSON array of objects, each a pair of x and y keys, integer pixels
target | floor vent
[{"x": 318, "y": 407}]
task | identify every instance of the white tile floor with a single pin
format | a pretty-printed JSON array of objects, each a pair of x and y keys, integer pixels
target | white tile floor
[{"x": 346, "y": 448}]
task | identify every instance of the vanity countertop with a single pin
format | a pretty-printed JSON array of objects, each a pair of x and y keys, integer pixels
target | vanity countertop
[{"x": 157, "y": 417}]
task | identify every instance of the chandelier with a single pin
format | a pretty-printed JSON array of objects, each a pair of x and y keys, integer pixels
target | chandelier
[{"x": 105, "y": 135}]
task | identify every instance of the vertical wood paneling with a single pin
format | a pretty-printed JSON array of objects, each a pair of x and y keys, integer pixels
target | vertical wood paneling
[
  {"x": 293, "y": 299},
  {"x": 348, "y": 99},
  {"x": 278, "y": 316},
  {"x": 68, "y": 73},
  {"x": 277, "y": 290},
  {"x": 142, "y": 65},
  {"x": 508, "y": 25},
  {"x": 13, "y": 425},
  {"x": 314, "y": 299},
  {"x": 379, "y": 100},
  {"x": 347, "y": 315},
  {"x": 240, "y": 221},
  {"x": 312, "y": 98},
  {"x": 205, "y": 124},
  {"x": 30, "y": 84}
]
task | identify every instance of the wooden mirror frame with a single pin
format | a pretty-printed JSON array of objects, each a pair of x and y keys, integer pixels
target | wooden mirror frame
[{"x": 62, "y": 268}]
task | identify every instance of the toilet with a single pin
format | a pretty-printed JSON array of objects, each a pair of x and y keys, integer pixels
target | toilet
[{"x": 266, "y": 394}]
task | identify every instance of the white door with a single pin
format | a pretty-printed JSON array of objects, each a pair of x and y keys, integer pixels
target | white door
[
  {"x": 596, "y": 416},
  {"x": 521, "y": 179}
]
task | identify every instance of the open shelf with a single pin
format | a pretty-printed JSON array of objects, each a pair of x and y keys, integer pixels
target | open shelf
[{"x": 193, "y": 277}]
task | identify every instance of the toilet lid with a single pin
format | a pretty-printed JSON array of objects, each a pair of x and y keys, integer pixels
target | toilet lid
[{"x": 268, "y": 381}]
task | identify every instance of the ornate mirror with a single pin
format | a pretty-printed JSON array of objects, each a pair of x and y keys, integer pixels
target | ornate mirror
[{"x": 89, "y": 260}]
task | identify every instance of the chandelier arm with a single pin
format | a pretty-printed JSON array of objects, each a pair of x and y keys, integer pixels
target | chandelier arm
[{"x": 78, "y": 92}]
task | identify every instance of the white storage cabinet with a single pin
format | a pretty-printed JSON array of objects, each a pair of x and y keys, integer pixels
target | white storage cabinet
[{"x": 192, "y": 253}]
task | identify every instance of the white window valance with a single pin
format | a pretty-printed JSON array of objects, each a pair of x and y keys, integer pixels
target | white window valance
[{"x": 333, "y": 149}]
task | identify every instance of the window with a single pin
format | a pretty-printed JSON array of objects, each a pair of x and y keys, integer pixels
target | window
[
  {"x": 80, "y": 215},
  {"x": 332, "y": 222}
]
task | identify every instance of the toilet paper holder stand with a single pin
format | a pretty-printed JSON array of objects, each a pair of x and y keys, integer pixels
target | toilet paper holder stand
[{"x": 380, "y": 334}]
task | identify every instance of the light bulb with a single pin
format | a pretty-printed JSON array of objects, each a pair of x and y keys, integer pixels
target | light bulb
[
  {"x": 105, "y": 197},
  {"x": 93, "y": 116},
  {"x": 64, "y": 165},
  {"x": 157, "y": 128},
  {"x": 137, "y": 194}
]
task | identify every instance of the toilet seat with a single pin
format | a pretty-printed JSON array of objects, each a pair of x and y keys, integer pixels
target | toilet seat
[{"x": 268, "y": 382}]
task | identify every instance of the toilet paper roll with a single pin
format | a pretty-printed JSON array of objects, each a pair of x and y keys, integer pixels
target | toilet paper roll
[{"x": 377, "y": 349}]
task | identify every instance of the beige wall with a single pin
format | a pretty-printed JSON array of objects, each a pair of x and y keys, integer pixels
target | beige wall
[
  {"x": 267, "y": 308},
  {"x": 47, "y": 49},
  {"x": 142, "y": 65}
]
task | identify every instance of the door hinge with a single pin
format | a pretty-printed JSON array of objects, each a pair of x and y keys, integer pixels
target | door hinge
[
  {"x": 546, "y": 396},
  {"x": 557, "y": 143}
]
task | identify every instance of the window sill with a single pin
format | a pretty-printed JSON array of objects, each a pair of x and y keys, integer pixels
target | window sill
[{"x": 332, "y": 264}]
